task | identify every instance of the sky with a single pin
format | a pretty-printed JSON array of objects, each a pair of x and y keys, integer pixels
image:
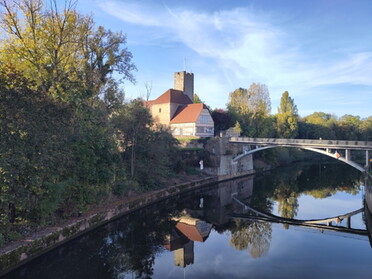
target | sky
[{"x": 320, "y": 51}]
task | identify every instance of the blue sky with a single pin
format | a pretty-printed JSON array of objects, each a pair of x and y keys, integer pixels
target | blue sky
[{"x": 320, "y": 51}]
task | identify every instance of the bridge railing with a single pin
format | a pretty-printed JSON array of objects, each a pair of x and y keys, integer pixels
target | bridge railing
[{"x": 321, "y": 143}]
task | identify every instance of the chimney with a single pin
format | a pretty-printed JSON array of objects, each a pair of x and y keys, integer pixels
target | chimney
[{"x": 185, "y": 82}]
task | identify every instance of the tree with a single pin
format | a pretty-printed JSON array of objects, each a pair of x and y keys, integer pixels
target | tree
[
  {"x": 197, "y": 100},
  {"x": 259, "y": 100},
  {"x": 365, "y": 129},
  {"x": 222, "y": 120},
  {"x": 250, "y": 107},
  {"x": 347, "y": 127},
  {"x": 132, "y": 123},
  {"x": 237, "y": 129},
  {"x": 33, "y": 152},
  {"x": 317, "y": 125},
  {"x": 238, "y": 103},
  {"x": 148, "y": 86},
  {"x": 57, "y": 144},
  {"x": 287, "y": 121},
  {"x": 143, "y": 144},
  {"x": 61, "y": 51}
]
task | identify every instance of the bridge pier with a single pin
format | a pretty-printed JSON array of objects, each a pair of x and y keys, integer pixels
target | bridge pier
[
  {"x": 348, "y": 222},
  {"x": 221, "y": 155},
  {"x": 347, "y": 154},
  {"x": 367, "y": 159}
]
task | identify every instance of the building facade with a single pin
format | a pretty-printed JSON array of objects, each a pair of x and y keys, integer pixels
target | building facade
[{"x": 175, "y": 108}]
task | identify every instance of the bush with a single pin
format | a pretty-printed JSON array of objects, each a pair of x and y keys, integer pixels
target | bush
[{"x": 122, "y": 188}]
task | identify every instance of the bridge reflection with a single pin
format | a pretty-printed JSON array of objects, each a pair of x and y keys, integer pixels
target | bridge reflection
[
  {"x": 322, "y": 224},
  {"x": 232, "y": 207},
  {"x": 368, "y": 208}
]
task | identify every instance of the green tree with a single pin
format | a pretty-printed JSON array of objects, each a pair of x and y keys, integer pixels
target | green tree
[
  {"x": 132, "y": 123},
  {"x": 238, "y": 103},
  {"x": 347, "y": 127},
  {"x": 251, "y": 107},
  {"x": 144, "y": 145},
  {"x": 197, "y": 100},
  {"x": 33, "y": 152},
  {"x": 222, "y": 120},
  {"x": 287, "y": 121},
  {"x": 317, "y": 125},
  {"x": 365, "y": 129},
  {"x": 57, "y": 142},
  {"x": 61, "y": 51}
]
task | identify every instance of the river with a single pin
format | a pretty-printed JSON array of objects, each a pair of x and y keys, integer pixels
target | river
[{"x": 276, "y": 225}]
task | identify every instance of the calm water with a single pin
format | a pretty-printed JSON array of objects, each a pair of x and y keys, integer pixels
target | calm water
[{"x": 226, "y": 231}]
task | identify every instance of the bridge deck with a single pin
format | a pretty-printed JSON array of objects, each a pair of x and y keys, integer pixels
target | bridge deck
[{"x": 332, "y": 144}]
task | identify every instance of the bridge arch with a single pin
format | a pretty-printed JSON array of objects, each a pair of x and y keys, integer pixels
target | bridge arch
[{"x": 324, "y": 152}]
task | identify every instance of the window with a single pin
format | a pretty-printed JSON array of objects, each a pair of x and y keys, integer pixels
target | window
[
  {"x": 209, "y": 130},
  {"x": 200, "y": 130},
  {"x": 176, "y": 131},
  {"x": 204, "y": 119},
  {"x": 159, "y": 110}
]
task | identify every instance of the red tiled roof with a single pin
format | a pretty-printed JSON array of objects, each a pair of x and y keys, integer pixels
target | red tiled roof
[
  {"x": 172, "y": 96},
  {"x": 191, "y": 232},
  {"x": 188, "y": 114}
]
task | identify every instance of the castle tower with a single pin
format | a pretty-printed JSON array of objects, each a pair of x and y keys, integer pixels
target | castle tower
[{"x": 185, "y": 82}]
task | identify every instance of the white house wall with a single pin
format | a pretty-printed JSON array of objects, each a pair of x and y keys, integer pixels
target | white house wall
[
  {"x": 183, "y": 129},
  {"x": 204, "y": 124}
]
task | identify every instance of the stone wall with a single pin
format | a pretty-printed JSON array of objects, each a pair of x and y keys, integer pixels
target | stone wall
[
  {"x": 221, "y": 154},
  {"x": 185, "y": 82},
  {"x": 161, "y": 112}
]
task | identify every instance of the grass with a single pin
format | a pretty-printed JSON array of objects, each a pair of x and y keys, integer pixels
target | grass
[{"x": 187, "y": 139}]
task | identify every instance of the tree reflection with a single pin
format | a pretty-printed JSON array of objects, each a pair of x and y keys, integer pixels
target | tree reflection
[
  {"x": 284, "y": 186},
  {"x": 253, "y": 236},
  {"x": 286, "y": 195},
  {"x": 319, "y": 181},
  {"x": 132, "y": 249}
]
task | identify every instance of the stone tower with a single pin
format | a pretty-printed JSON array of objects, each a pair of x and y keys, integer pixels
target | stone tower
[{"x": 185, "y": 82}]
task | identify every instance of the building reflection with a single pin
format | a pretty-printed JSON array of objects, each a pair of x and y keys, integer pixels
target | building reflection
[
  {"x": 181, "y": 240},
  {"x": 199, "y": 215}
]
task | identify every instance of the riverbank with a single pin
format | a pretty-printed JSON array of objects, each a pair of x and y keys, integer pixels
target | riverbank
[{"x": 18, "y": 252}]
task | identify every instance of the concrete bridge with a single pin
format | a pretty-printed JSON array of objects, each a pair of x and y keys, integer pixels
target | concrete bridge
[{"x": 326, "y": 147}]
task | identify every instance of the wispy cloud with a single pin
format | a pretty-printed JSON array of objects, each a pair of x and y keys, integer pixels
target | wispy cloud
[{"x": 248, "y": 46}]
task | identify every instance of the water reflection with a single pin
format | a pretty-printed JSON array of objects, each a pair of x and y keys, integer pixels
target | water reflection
[
  {"x": 181, "y": 240},
  {"x": 136, "y": 245},
  {"x": 368, "y": 208}
]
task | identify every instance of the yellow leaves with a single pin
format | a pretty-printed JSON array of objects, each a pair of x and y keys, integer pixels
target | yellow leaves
[
  {"x": 44, "y": 44},
  {"x": 254, "y": 100}
]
